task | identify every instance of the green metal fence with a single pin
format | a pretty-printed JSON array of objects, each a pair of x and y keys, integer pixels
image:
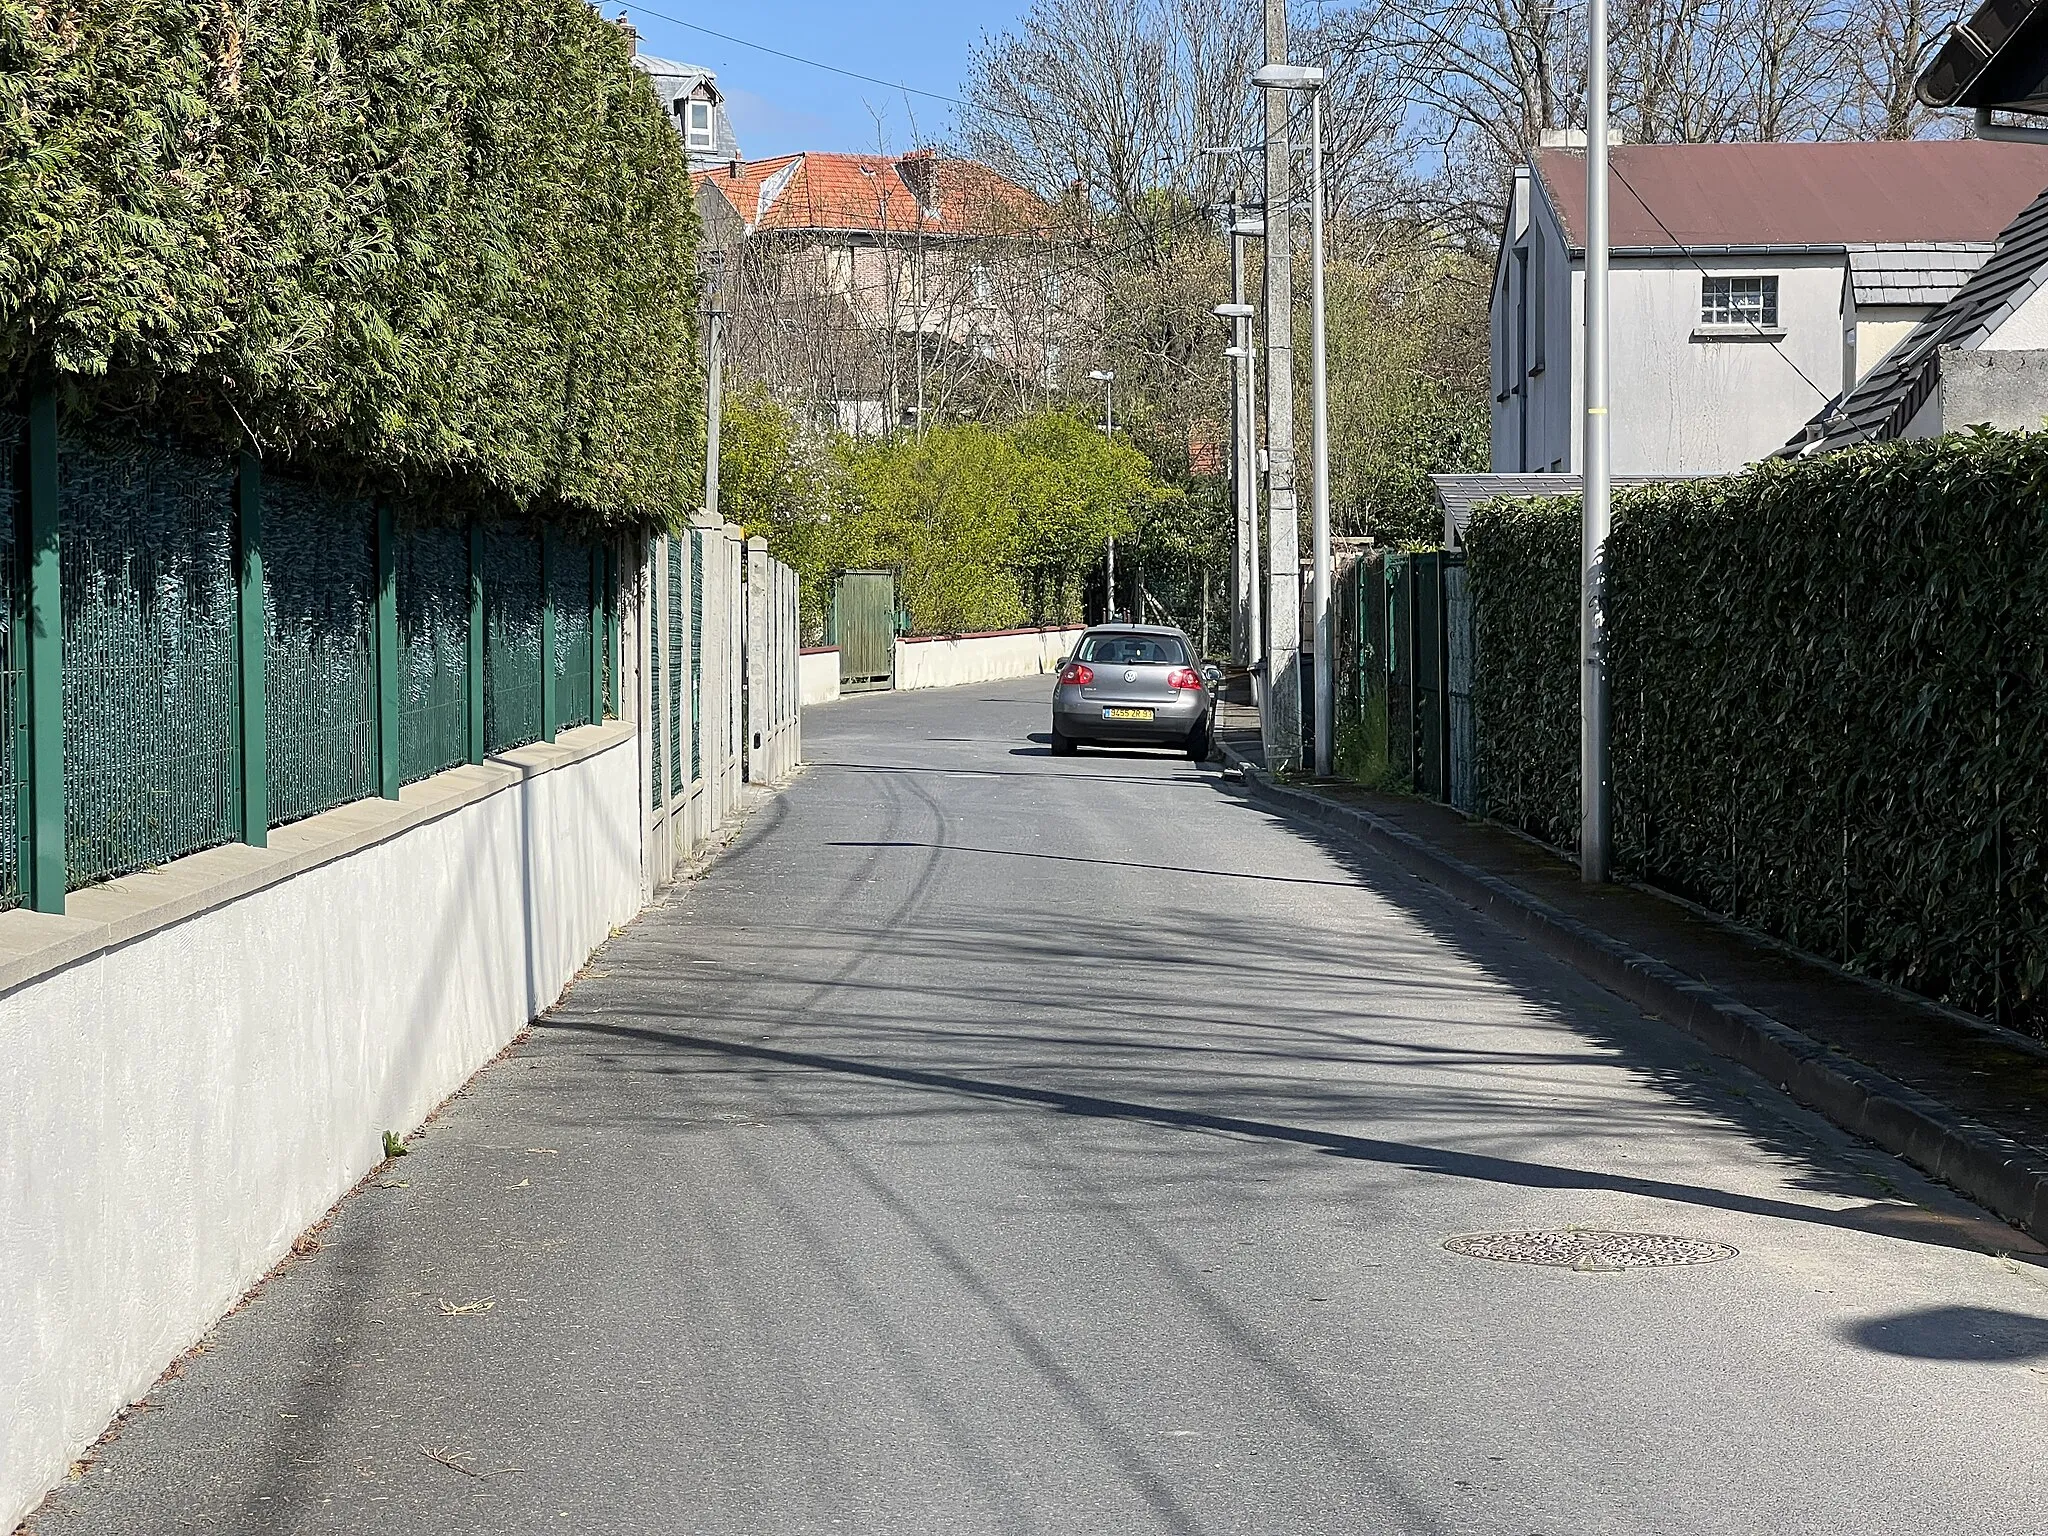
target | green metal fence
[
  {"x": 1403, "y": 632},
  {"x": 696, "y": 655},
  {"x": 512, "y": 625},
  {"x": 433, "y": 651},
  {"x": 152, "y": 700},
  {"x": 320, "y": 691},
  {"x": 197, "y": 650},
  {"x": 12, "y": 426},
  {"x": 675, "y": 661}
]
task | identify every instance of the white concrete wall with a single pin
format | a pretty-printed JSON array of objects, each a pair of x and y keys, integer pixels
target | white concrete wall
[
  {"x": 950, "y": 660},
  {"x": 820, "y": 674},
  {"x": 181, "y": 1105}
]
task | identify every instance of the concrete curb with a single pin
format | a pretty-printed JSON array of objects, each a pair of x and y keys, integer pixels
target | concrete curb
[{"x": 1991, "y": 1169}]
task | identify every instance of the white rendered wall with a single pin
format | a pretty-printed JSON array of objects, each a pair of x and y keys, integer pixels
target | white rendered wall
[
  {"x": 179, "y": 1108},
  {"x": 820, "y": 674},
  {"x": 946, "y": 662}
]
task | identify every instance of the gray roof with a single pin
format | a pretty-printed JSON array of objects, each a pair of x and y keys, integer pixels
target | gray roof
[
  {"x": 1891, "y": 394},
  {"x": 673, "y": 84},
  {"x": 1913, "y": 274},
  {"x": 1459, "y": 494}
]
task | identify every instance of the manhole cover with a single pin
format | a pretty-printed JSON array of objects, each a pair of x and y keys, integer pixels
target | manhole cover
[{"x": 1594, "y": 1252}]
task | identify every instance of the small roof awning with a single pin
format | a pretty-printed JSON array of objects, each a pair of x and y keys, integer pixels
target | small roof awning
[{"x": 1998, "y": 60}]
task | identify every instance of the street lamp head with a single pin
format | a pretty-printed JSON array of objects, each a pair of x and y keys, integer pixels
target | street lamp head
[
  {"x": 1249, "y": 229},
  {"x": 1102, "y": 375},
  {"x": 1288, "y": 77},
  {"x": 1237, "y": 351},
  {"x": 1232, "y": 311}
]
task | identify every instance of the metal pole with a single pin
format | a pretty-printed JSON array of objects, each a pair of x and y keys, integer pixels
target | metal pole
[
  {"x": 1255, "y": 615},
  {"x": 1109, "y": 433},
  {"x": 714, "y": 370},
  {"x": 1595, "y": 812},
  {"x": 1319, "y": 412},
  {"x": 1280, "y": 719},
  {"x": 1243, "y": 568}
]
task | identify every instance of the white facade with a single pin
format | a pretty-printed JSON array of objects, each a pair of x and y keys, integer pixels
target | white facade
[{"x": 1687, "y": 396}]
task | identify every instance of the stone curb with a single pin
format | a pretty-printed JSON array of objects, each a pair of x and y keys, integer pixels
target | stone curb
[{"x": 1991, "y": 1169}]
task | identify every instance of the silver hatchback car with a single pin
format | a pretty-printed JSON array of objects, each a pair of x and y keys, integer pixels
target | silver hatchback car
[{"x": 1133, "y": 684}]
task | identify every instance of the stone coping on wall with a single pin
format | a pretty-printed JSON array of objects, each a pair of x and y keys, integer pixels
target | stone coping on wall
[
  {"x": 103, "y": 917},
  {"x": 819, "y": 650},
  {"x": 992, "y": 634}
]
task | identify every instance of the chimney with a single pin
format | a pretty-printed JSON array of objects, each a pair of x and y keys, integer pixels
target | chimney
[
  {"x": 732, "y": 169},
  {"x": 625, "y": 25}
]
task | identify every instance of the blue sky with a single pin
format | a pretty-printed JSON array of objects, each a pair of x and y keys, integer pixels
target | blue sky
[{"x": 778, "y": 106}]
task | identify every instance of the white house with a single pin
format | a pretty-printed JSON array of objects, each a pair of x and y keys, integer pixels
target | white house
[{"x": 1752, "y": 286}]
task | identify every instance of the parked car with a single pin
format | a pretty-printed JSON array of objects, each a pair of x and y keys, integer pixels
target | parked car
[{"x": 1134, "y": 685}]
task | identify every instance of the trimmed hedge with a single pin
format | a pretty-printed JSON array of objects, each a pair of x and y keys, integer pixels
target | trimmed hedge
[
  {"x": 1830, "y": 718},
  {"x": 446, "y": 241}
]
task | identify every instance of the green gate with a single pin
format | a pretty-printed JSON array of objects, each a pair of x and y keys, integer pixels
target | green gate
[{"x": 864, "y": 629}]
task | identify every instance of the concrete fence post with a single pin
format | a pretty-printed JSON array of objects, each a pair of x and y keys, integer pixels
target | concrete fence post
[{"x": 758, "y": 711}]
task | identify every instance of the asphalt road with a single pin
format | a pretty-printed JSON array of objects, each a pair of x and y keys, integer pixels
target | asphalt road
[{"x": 997, "y": 1143}]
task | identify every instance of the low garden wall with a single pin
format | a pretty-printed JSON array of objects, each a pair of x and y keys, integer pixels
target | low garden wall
[{"x": 945, "y": 661}]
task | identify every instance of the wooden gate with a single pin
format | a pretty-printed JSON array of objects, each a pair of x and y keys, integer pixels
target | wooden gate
[{"x": 864, "y": 629}]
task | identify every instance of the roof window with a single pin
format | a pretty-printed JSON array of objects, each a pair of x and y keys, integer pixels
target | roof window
[{"x": 697, "y": 125}]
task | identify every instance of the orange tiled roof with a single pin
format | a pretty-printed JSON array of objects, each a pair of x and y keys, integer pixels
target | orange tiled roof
[{"x": 916, "y": 193}]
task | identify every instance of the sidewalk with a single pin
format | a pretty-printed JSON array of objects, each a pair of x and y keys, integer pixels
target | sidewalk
[{"x": 1960, "y": 1098}]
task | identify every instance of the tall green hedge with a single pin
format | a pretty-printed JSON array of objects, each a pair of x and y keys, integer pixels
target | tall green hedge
[
  {"x": 443, "y": 240},
  {"x": 1830, "y": 707}
]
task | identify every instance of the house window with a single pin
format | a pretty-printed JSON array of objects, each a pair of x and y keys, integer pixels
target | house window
[
  {"x": 1739, "y": 301},
  {"x": 699, "y": 123}
]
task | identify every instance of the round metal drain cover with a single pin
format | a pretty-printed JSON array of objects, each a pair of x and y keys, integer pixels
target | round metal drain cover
[{"x": 1592, "y": 1252}]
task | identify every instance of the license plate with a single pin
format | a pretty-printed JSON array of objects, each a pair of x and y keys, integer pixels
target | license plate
[{"x": 1126, "y": 714}]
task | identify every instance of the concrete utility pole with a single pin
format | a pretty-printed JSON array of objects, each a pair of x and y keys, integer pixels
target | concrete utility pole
[
  {"x": 1595, "y": 812},
  {"x": 1244, "y": 616},
  {"x": 1280, "y": 714},
  {"x": 714, "y": 381}
]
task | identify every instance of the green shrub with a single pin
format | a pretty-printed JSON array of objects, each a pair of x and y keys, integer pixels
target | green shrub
[
  {"x": 1830, "y": 718},
  {"x": 445, "y": 241}
]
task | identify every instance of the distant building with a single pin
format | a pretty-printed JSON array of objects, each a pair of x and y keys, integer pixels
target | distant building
[
  {"x": 1751, "y": 285},
  {"x": 879, "y": 289},
  {"x": 691, "y": 96}
]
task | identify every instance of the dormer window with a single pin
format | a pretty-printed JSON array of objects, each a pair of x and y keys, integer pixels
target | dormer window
[{"x": 697, "y": 123}]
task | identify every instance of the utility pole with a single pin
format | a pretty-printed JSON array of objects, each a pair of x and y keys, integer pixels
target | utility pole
[
  {"x": 714, "y": 372},
  {"x": 1595, "y": 812},
  {"x": 1280, "y": 712},
  {"x": 1243, "y": 566}
]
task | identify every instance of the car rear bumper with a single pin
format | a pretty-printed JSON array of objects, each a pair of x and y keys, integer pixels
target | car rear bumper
[{"x": 1172, "y": 721}]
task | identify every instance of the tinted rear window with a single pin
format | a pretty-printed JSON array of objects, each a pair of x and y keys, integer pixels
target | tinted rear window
[{"x": 1133, "y": 650}]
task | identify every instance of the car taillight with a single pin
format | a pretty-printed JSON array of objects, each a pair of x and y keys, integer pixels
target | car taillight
[
  {"x": 1184, "y": 677},
  {"x": 1076, "y": 673}
]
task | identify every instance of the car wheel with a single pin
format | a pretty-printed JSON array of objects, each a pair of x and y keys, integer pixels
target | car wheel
[
  {"x": 1062, "y": 744},
  {"x": 1198, "y": 742}
]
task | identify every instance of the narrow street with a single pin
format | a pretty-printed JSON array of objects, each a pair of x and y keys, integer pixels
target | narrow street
[{"x": 991, "y": 1142}]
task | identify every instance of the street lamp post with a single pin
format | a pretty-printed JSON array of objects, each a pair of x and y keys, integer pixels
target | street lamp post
[
  {"x": 1309, "y": 78},
  {"x": 1255, "y": 609},
  {"x": 1247, "y": 647},
  {"x": 1106, "y": 377}
]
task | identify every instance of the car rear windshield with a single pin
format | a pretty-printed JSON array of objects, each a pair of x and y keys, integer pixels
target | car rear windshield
[{"x": 1115, "y": 650}]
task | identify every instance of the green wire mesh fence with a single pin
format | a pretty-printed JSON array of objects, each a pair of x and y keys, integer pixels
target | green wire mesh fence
[
  {"x": 512, "y": 615},
  {"x": 433, "y": 651},
  {"x": 675, "y": 665},
  {"x": 570, "y": 587},
  {"x": 696, "y": 655},
  {"x": 150, "y": 693},
  {"x": 11, "y": 428},
  {"x": 320, "y": 687},
  {"x": 162, "y": 619}
]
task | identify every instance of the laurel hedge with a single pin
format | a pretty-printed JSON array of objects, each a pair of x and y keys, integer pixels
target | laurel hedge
[
  {"x": 447, "y": 241},
  {"x": 1830, "y": 702}
]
